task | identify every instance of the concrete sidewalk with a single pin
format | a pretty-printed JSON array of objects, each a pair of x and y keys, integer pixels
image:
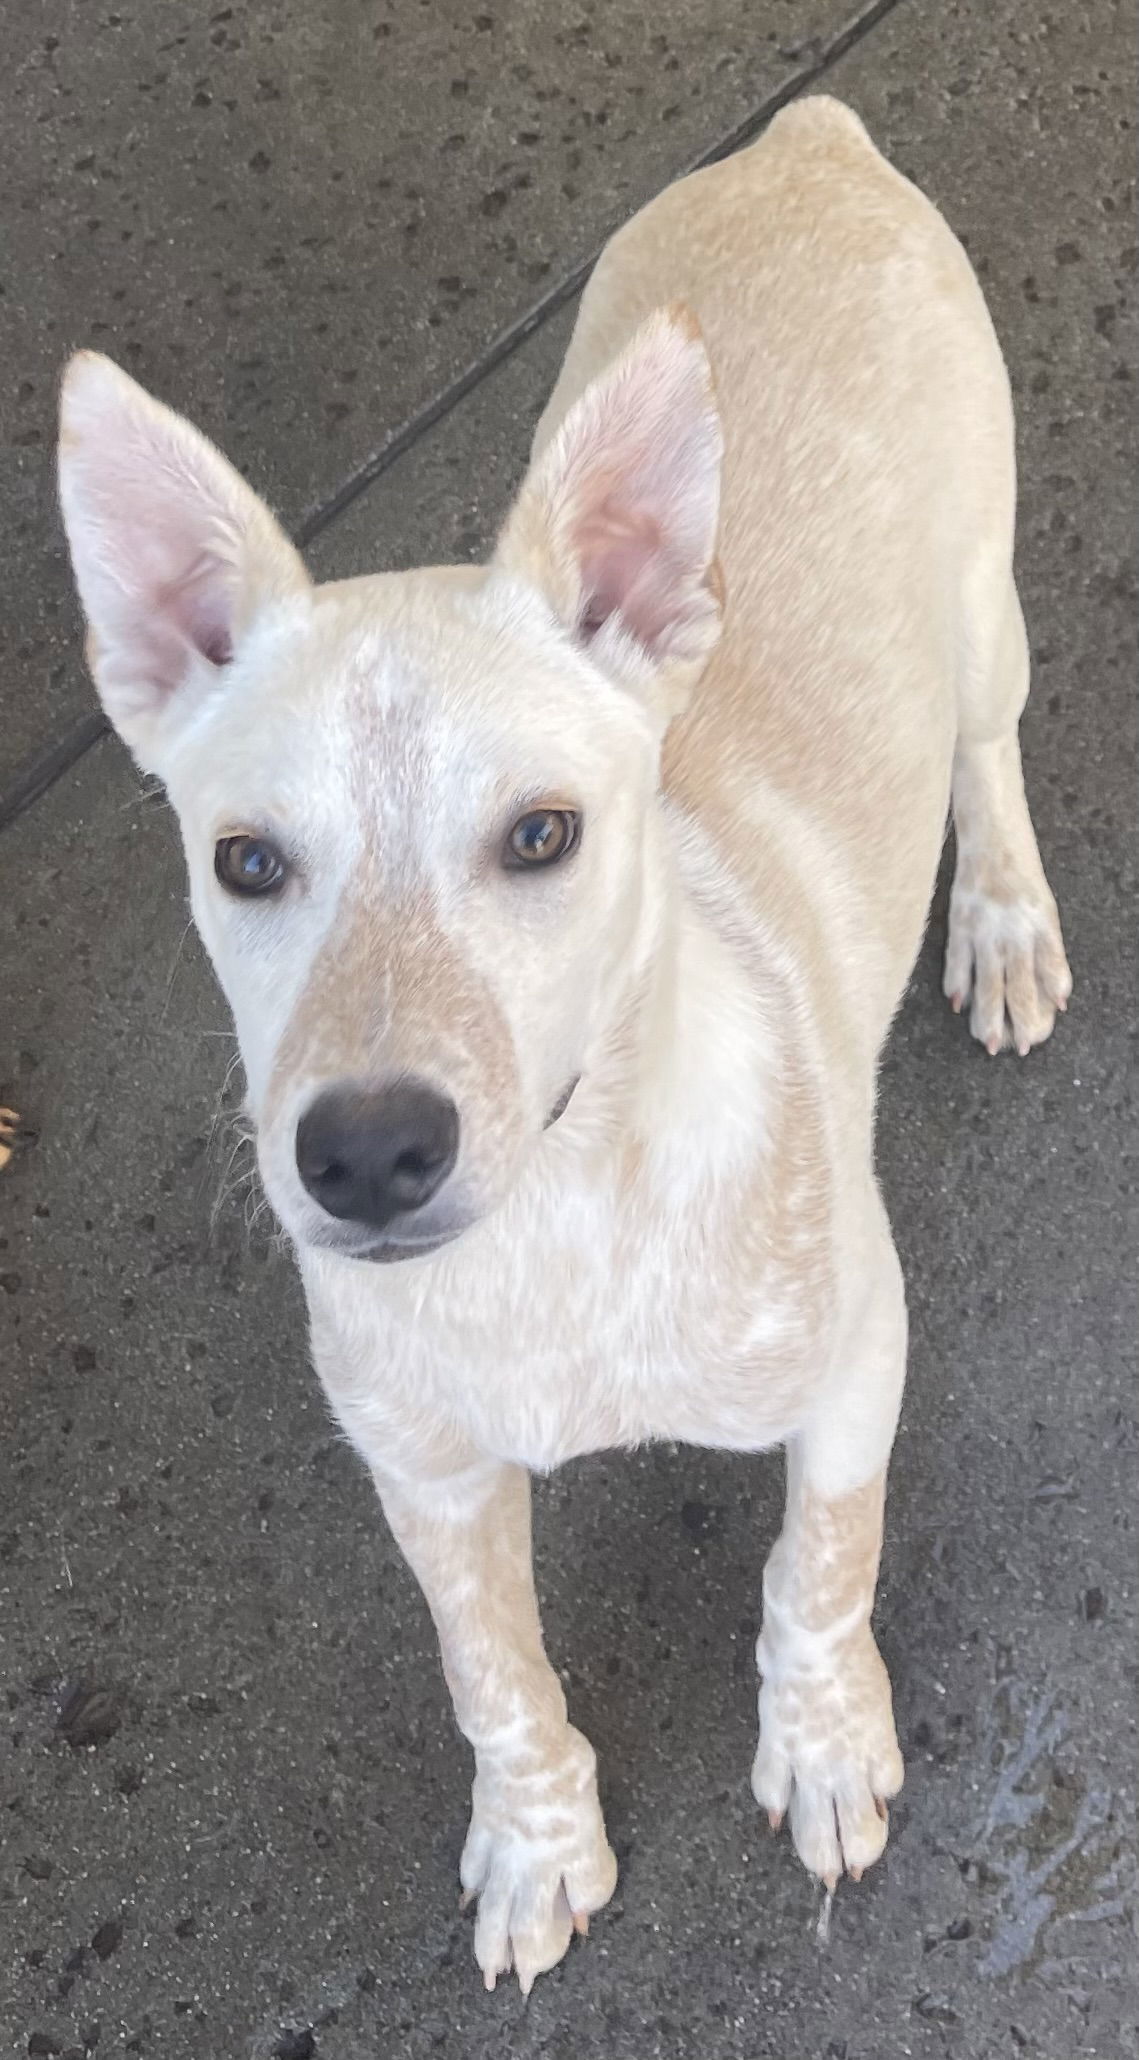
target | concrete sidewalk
[{"x": 235, "y": 1798}]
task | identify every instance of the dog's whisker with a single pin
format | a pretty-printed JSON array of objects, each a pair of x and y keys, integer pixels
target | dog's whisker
[
  {"x": 174, "y": 969},
  {"x": 219, "y": 1106},
  {"x": 146, "y": 791}
]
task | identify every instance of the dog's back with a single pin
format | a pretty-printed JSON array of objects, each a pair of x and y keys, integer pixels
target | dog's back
[{"x": 867, "y": 515}]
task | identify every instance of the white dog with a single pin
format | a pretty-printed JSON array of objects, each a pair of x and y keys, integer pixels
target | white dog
[{"x": 563, "y": 905}]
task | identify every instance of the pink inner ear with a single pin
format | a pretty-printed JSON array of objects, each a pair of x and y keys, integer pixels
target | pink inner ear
[
  {"x": 155, "y": 542},
  {"x": 218, "y": 647},
  {"x": 150, "y": 629},
  {"x": 625, "y": 571},
  {"x": 198, "y": 602}
]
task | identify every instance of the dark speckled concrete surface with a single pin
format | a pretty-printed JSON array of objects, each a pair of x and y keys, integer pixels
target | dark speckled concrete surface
[{"x": 233, "y": 1799}]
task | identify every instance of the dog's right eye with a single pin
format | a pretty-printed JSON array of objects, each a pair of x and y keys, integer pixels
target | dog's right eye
[
  {"x": 249, "y": 865},
  {"x": 542, "y": 836}
]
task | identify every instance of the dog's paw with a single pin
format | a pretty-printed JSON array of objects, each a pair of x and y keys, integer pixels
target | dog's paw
[
  {"x": 1006, "y": 951},
  {"x": 538, "y": 1862},
  {"x": 829, "y": 1753}
]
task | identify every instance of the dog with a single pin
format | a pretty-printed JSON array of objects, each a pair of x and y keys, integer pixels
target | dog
[{"x": 563, "y": 904}]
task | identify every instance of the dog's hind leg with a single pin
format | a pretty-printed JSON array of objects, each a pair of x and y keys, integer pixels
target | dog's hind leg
[
  {"x": 827, "y": 1747},
  {"x": 1005, "y": 949},
  {"x": 536, "y": 1855}
]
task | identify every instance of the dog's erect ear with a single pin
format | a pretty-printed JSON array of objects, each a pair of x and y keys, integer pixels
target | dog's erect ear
[
  {"x": 616, "y": 521},
  {"x": 173, "y": 554}
]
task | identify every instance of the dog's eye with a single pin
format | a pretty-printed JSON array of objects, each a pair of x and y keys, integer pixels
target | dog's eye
[
  {"x": 249, "y": 865},
  {"x": 542, "y": 836}
]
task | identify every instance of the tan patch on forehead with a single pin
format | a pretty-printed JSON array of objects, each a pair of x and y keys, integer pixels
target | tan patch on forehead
[
  {"x": 389, "y": 728},
  {"x": 391, "y": 769}
]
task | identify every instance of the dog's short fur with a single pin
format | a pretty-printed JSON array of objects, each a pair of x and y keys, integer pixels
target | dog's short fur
[{"x": 756, "y": 623}]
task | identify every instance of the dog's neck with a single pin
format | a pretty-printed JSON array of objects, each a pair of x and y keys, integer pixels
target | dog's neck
[{"x": 686, "y": 1076}]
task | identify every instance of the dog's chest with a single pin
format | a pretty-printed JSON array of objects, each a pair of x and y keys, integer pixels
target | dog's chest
[{"x": 609, "y": 1333}]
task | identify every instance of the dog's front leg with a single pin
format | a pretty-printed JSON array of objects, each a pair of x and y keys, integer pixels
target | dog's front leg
[
  {"x": 827, "y": 1745},
  {"x": 536, "y": 1856}
]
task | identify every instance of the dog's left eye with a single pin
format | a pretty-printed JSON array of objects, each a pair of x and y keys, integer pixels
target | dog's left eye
[
  {"x": 542, "y": 836},
  {"x": 249, "y": 865}
]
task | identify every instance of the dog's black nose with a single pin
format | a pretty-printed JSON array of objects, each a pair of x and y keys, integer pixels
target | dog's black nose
[{"x": 370, "y": 1154}]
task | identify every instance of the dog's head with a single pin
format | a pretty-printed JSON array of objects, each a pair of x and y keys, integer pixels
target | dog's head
[{"x": 417, "y": 809}]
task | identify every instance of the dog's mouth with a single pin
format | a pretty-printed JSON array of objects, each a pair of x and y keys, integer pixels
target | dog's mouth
[
  {"x": 379, "y": 1250},
  {"x": 390, "y": 1251}
]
